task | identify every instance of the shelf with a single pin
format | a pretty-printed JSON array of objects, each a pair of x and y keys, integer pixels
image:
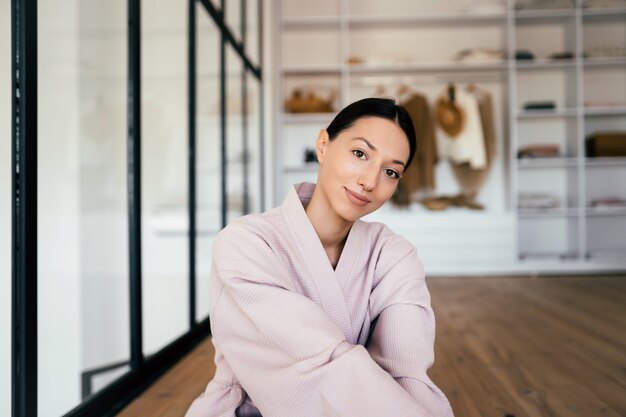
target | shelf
[
  {"x": 605, "y": 161},
  {"x": 612, "y": 255},
  {"x": 547, "y": 162},
  {"x": 467, "y": 18},
  {"x": 532, "y": 15},
  {"x": 308, "y": 117},
  {"x": 538, "y": 64},
  {"x": 358, "y": 69},
  {"x": 602, "y": 11},
  {"x": 333, "y": 69},
  {"x": 544, "y": 63},
  {"x": 604, "y": 62},
  {"x": 573, "y": 111},
  {"x": 605, "y": 111},
  {"x": 544, "y": 213},
  {"x": 305, "y": 22},
  {"x": 605, "y": 211},
  {"x": 562, "y": 256},
  {"x": 548, "y": 113}
]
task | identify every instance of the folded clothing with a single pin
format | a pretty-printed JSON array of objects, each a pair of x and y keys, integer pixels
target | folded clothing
[
  {"x": 605, "y": 51},
  {"x": 602, "y": 144},
  {"x": 540, "y": 105},
  {"x": 479, "y": 55},
  {"x": 608, "y": 203},
  {"x": 538, "y": 201},
  {"x": 562, "y": 55},
  {"x": 310, "y": 101},
  {"x": 443, "y": 202},
  {"x": 539, "y": 151},
  {"x": 524, "y": 55}
]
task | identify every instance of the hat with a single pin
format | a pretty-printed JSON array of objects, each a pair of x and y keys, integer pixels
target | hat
[{"x": 450, "y": 117}]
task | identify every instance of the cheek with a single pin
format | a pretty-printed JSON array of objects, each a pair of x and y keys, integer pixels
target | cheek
[
  {"x": 387, "y": 188},
  {"x": 345, "y": 165},
  {"x": 352, "y": 166}
]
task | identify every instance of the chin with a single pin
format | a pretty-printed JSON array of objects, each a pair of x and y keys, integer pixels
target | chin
[
  {"x": 347, "y": 213},
  {"x": 352, "y": 217},
  {"x": 352, "y": 214}
]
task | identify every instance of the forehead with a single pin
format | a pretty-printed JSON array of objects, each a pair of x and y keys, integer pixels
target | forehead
[{"x": 379, "y": 131}]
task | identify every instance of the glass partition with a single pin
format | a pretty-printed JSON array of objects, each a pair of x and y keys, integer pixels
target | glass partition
[
  {"x": 253, "y": 139},
  {"x": 253, "y": 31},
  {"x": 208, "y": 151},
  {"x": 165, "y": 216},
  {"x": 234, "y": 135},
  {"x": 103, "y": 197},
  {"x": 232, "y": 13},
  {"x": 82, "y": 217},
  {"x": 83, "y": 256}
]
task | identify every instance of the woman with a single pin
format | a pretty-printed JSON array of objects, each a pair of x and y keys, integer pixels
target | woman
[{"x": 315, "y": 312}]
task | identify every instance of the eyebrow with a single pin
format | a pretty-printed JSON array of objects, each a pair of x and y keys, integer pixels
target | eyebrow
[{"x": 372, "y": 147}]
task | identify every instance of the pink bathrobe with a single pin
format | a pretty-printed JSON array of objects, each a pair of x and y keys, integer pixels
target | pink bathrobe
[{"x": 295, "y": 337}]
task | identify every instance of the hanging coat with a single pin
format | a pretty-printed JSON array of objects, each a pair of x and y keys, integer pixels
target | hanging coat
[
  {"x": 471, "y": 179},
  {"x": 295, "y": 337},
  {"x": 420, "y": 175}
]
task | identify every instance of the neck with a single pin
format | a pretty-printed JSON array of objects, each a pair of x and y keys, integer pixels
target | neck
[{"x": 330, "y": 227}]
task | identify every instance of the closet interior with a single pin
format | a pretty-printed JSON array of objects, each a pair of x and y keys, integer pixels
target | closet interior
[{"x": 530, "y": 173}]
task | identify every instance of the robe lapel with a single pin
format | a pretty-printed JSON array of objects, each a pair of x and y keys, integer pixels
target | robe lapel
[{"x": 317, "y": 263}]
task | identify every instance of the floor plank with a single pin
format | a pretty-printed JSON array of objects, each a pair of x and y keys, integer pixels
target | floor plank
[
  {"x": 506, "y": 346},
  {"x": 172, "y": 394},
  {"x": 526, "y": 346}
]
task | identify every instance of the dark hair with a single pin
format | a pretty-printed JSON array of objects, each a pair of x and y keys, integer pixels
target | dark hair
[{"x": 374, "y": 107}]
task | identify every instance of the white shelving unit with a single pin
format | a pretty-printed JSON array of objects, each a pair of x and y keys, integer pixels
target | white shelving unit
[
  {"x": 575, "y": 231},
  {"x": 413, "y": 43}
]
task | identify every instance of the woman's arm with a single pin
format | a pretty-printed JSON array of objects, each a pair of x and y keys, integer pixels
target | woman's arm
[
  {"x": 291, "y": 359},
  {"x": 403, "y": 334}
]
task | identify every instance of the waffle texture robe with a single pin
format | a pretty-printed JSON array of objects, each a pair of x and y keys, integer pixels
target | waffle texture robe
[{"x": 295, "y": 337}]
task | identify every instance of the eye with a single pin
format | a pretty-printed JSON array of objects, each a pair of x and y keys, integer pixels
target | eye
[
  {"x": 392, "y": 174},
  {"x": 359, "y": 154}
]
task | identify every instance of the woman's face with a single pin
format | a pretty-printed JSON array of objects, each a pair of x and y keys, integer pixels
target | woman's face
[{"x": 360, "y": 168}]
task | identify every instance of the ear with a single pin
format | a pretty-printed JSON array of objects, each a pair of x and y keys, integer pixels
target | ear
[{"x": 321, "y": 145}]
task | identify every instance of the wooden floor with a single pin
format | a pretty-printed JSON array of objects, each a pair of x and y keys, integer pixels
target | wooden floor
[{"x": 519, "y": 347}]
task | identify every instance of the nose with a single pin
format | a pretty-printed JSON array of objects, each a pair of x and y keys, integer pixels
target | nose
[{"x": 368, "y": 179}]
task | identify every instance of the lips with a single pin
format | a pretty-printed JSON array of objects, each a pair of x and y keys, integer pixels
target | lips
[{"x": 357, "y": 199}]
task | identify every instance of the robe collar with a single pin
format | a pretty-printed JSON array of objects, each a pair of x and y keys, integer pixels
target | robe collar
[{"x": 326, "y": 279}]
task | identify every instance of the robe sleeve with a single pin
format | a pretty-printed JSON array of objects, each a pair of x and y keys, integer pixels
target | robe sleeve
[
  {"x": 403, "y": 334},
  {"x": 289, "y": 357}
]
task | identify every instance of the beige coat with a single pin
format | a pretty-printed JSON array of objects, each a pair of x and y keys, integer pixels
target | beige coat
[{"x": 420, "y": 176}]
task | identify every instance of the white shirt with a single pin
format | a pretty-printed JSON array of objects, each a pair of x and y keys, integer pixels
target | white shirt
[{"x": 469, "y": 145}]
